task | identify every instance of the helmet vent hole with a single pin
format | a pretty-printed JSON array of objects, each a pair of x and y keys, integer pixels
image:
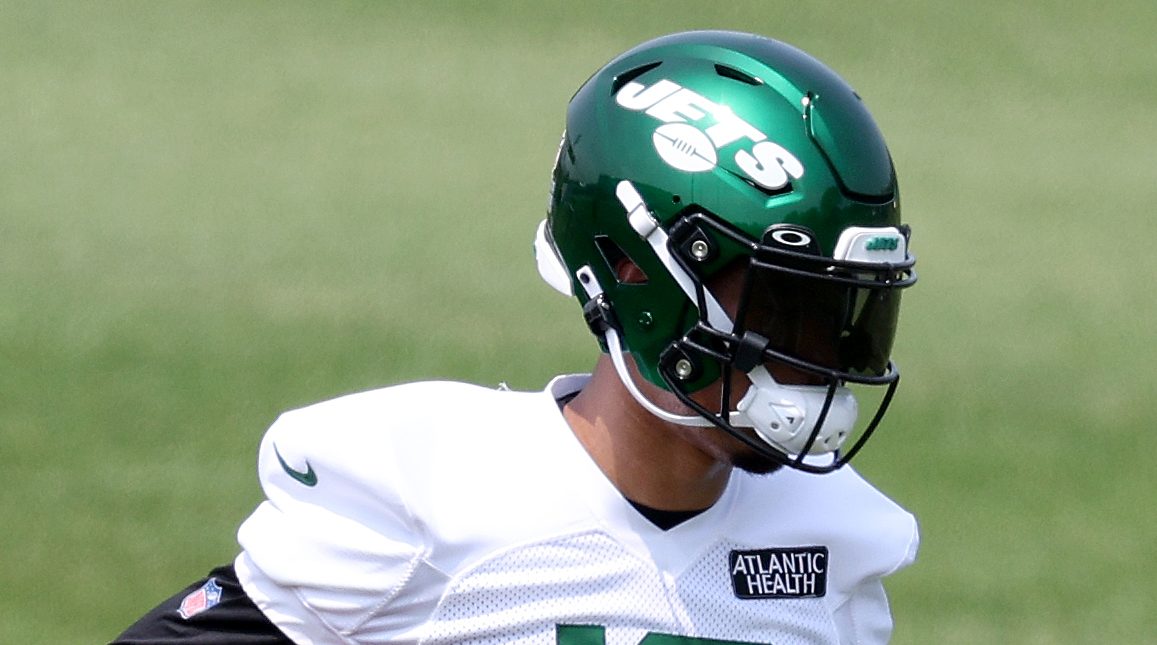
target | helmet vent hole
[
  {"x": 630, "y": 75},
  {"x": 737, "y": 75}
]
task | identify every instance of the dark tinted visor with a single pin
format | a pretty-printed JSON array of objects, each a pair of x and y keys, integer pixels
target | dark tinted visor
[{"x": 842, "y": 318}]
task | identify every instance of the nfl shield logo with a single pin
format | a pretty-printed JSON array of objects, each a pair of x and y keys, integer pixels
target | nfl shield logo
[{"x": 201, "y": 600}]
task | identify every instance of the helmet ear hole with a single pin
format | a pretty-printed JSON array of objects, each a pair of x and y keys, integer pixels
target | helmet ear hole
[{"x": 625, "y": 270}]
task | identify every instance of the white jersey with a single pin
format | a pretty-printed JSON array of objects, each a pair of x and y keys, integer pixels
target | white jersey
[{"x": 440, "y": 513}]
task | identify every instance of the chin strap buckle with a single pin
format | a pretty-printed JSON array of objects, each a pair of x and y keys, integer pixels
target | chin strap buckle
[
  {"x": 597, "y": 310},
  {"x": 599, "y": 316}
]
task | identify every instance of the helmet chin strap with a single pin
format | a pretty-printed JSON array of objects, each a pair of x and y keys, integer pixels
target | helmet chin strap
[
  {"x": 591, "y": 285},
  {"x": 616, "y": 351}
]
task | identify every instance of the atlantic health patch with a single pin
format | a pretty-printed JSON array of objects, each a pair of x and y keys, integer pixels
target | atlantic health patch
[
  {"x": 799, "y": 572},
  {"x": 201, "y": 600}
]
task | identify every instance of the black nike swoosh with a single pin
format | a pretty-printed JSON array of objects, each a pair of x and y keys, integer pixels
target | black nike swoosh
[{"x": 309, "y": 478}]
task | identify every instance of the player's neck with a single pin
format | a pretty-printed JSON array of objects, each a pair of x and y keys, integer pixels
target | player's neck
[{"x": 648, "y": 460}]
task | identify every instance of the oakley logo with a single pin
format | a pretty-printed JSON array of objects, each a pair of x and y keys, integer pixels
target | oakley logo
[
  {"x": 696, "y": 128},
  {"x": 791, "y": 237}
]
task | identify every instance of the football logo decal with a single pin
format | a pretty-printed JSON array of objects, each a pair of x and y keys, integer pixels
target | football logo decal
[{"x": 684, "y": 147}]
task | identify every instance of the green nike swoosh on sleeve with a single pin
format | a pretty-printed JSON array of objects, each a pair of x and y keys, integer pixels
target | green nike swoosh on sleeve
[{"x": 309, "y": 478}]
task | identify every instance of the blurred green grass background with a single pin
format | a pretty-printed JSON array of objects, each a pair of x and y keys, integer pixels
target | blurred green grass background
[{"x": 212, "y": 212}]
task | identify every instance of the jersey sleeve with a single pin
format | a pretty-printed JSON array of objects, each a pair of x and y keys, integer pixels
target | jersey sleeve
[{"x": 327, "y": 555}]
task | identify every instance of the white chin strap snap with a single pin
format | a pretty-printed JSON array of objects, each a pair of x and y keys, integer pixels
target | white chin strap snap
[{"x": 785, "y": 415}]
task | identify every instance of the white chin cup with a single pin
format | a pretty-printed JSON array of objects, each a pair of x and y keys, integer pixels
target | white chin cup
[{"x": 785, "y": 415}]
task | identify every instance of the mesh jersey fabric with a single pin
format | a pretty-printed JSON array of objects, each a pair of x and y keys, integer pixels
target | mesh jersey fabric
[{"x": 449, "y": 513}]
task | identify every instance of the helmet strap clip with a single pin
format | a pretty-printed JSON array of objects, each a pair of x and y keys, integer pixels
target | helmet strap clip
[
  {"x": 599, "y": 316},
  {"x": 749, "y": 351}
]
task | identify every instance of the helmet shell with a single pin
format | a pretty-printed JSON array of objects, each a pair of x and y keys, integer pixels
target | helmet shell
[{"x": 749, "y": 130}]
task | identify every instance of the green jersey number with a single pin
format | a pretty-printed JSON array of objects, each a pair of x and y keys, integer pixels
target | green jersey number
[{"x": 596, "y": 635}]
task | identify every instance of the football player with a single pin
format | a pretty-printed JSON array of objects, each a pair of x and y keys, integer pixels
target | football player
[{"x": 725, "y": 211}]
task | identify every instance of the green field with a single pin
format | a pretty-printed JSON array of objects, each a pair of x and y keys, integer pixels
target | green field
[{"x": 212, "y": 212}]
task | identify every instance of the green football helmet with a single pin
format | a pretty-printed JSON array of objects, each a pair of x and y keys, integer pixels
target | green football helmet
[{"x": 706, "y": 158}]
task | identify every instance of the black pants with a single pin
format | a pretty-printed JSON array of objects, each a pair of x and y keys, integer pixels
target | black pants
[{"x": 218, "y": 613}]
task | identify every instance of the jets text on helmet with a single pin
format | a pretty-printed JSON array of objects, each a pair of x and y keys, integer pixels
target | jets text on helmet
[{"x": 767, "y": 163}]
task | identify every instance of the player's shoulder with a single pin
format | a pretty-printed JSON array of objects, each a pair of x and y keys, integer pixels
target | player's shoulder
[
  {"x": 414, "y": 399},
  {"x": 868, "y": 534},
  {"x": 434, "y": 455},
  {"x": 407, "y": 438},
  {"x": 408, "y": 411},
  {"x": 843, "y": 493}
]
